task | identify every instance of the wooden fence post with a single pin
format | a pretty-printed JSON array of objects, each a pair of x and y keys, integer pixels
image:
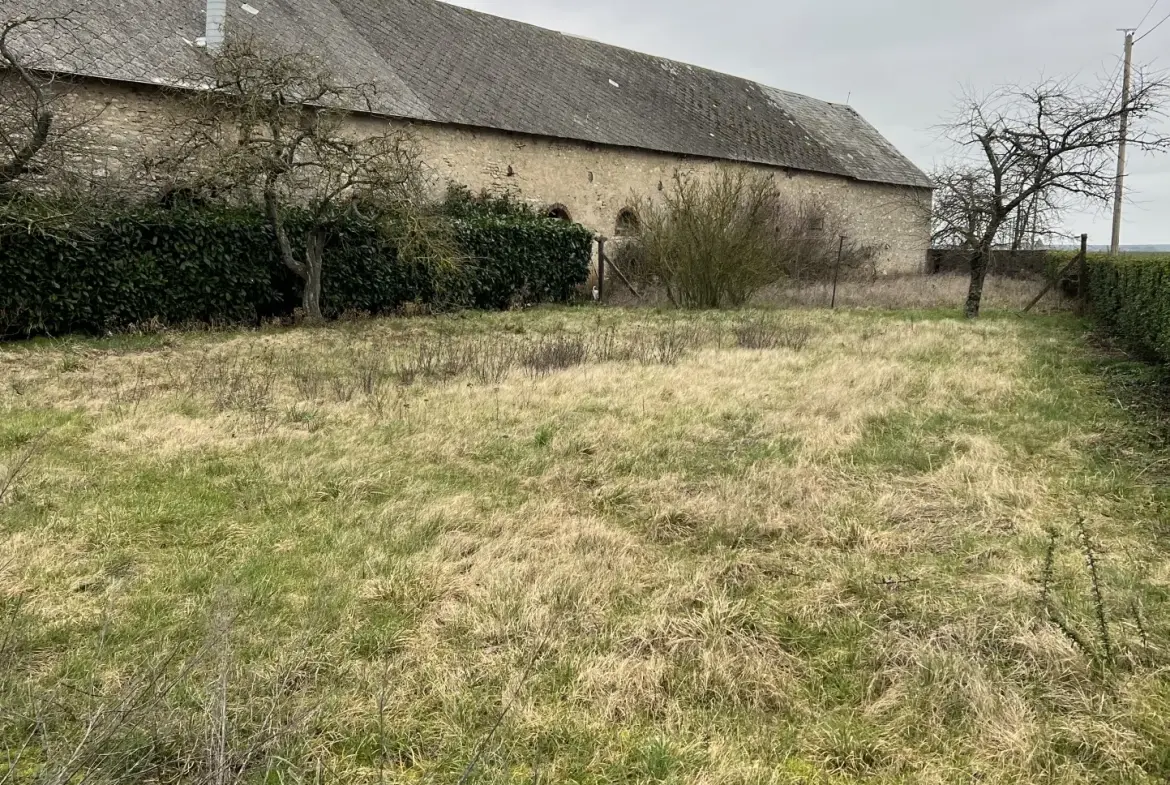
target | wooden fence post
[{"x": 1082, "y": 284}]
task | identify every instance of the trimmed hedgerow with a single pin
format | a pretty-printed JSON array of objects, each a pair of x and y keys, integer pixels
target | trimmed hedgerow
[
  {"x": 216, "y": 265},
  {"x": 1130, "y": 295},
  {"x": 176, "y": 267},
  {"x": 538, "y": 260}
]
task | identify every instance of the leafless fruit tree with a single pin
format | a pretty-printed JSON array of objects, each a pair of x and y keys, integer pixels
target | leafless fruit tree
[
  {"x": 1047, "y": 145},
  {"x": 275, "y": 125}
]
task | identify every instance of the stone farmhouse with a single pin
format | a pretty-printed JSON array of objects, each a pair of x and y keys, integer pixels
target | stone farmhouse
[{"x": 578, "y": 127}]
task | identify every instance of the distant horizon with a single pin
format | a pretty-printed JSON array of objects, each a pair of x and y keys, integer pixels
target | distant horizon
[{"x": 1135, "y": 248}]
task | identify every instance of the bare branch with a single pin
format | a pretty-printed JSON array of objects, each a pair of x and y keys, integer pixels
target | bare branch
[
  {"x": 42, "y": 114},
  {"x": 46, "y": 130}
]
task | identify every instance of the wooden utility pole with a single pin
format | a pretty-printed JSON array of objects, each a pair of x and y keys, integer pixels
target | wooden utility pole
[{"x": 1119, "y": 196}]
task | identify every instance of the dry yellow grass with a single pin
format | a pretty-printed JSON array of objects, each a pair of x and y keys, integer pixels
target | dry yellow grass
[
  {"x": 893, "y": 292},
  {"x": 924, "y": 291},
  {"x": 784, "y": 565}
]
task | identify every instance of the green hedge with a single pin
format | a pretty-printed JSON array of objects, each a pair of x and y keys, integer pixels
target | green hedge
[
  {"x": 220, "y": 266},
  {"x": 531, "y": 260},
  {"x": 1130, "y": 295}
]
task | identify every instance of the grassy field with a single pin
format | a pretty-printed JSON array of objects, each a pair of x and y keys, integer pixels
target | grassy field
[{"x": 583, "y": 546}]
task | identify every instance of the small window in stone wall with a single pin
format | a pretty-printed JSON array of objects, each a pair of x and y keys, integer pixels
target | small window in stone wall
[
  {"x": 628, "y": 224},
  {"x": 560, "y": 212},
  {"x": 815, "y": 222}
]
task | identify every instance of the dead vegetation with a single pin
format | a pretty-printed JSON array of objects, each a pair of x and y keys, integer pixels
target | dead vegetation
[{"x": 895, "y": 292}]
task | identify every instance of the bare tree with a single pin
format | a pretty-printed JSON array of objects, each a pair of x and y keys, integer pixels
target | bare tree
[
  {"x": 274, "y": 124},
  {"x": 1044, "y": 146}
]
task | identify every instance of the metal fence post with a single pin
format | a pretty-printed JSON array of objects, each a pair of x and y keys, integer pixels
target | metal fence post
[
  {"x": 1083, "y": 276},
  {"x": 600, "y": 269},
  {"x": 837, "y": 272}
]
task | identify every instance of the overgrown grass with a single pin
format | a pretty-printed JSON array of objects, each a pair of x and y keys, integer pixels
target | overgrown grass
[
  {"x": 715, "y": 548},
  {"x": 886, "y": 293}
]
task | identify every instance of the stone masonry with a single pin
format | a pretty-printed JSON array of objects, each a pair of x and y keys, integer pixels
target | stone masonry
[{"x": 593, "y": 182}]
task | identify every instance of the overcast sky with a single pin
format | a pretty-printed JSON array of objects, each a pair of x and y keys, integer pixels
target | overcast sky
[{"x": 901, "y": 63}]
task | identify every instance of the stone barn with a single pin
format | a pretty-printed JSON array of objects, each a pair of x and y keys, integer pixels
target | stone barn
[{"x": 577, "y": 127}]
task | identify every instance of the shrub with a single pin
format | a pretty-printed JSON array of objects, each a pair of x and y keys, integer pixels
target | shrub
[
  {"x": 667, "y": 345},
  {"x": 460, "y": 202},
  {"x": 220, "y": 265},
  {"x": 183, "y": 266},
  {"x": 519, "y": 262},
  {"x": 554, "y": 353},
  {"x": 767, "y": 334},
  {"x": 1130, "y": 294},
  {"x": 717, "y": 242},
  {"x": 516, "y": 255}
]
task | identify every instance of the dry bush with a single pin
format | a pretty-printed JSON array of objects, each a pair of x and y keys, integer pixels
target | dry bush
[
  {"x": 554, "y": 353},
  {"x": 308, "y": 381},
  {"x": 193, "y": 712},
  {"x": 717, "y": 242},
  {"x": 667, "y": 345},
  {"x": 763, "y": 333},
  {"x": 492, "y": 361},
  {"x": 244, "y": 384},
  {"x": 433, "y": 357},
  {"x": 371, "y": 374}
]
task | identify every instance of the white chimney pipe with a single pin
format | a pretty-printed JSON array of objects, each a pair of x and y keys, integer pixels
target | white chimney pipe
[{"x": 216, "y": 16}]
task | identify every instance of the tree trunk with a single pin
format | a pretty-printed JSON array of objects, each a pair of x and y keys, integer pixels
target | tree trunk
[
  {"x": 276, "y": 220},
  {"x": 314, "y": 261},
  {"x": 978, "y": 277},
  {"x": 309, "y": 271},
  {"x": 42, "y": 115},
  {"x": 980, "y": 260},
  {"x": 21, "y": 158}
]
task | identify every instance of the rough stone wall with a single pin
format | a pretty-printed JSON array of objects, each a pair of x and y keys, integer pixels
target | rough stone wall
[{"x": 594, "y": 183}]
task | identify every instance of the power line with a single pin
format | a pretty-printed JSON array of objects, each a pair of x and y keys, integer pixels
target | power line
[
  {"x": 1165, "y": 19},
  {"x": 1147, "y": 16}
]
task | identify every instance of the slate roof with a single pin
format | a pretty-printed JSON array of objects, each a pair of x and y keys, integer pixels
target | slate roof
[{"x": 436, "y": 62}]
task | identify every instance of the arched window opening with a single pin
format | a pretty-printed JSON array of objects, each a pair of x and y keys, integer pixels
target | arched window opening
[
  {"x": 560, "y": 212},
  {"x": 628, "y": 224}
]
